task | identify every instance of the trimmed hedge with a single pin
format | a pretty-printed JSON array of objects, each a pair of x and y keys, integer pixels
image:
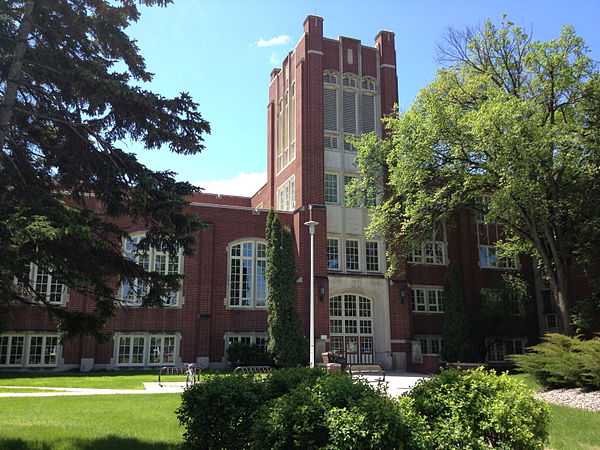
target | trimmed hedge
[
  {"x": 563, "y": 361},
  {"x": 478, "y": 409},
  {"x": 312, "y": 409}
]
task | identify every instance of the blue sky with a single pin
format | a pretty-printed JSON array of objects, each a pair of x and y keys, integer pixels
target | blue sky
[{"x": 222, "y": 53}]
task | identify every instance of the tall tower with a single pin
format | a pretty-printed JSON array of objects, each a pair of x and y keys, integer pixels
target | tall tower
[{"x": 326, "y": 91}]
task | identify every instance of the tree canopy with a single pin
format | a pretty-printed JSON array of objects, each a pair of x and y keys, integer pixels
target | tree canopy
[
  {"x": 70, "y": 94},
  {"x": 510, "y": 119}
]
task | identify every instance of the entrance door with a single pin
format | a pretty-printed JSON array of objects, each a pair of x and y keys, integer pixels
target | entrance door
[{"x": 351, "y": 327}]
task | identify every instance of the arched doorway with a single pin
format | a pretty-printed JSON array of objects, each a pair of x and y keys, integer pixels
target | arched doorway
[{"x": 351, "y": 327}]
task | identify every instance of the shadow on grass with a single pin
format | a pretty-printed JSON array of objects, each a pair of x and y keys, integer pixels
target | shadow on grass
[{"x": 106, "y": 443}]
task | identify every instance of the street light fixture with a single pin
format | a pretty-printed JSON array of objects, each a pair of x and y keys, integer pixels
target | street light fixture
[{"x": 311, "y": 224}]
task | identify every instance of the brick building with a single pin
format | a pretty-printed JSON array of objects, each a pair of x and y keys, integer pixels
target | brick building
[{"x": 326, "y": 90}]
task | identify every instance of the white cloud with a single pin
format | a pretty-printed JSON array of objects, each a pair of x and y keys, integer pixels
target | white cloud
[
  {"x": 244, "y": 184},
  {"x": 279, "y": 40},
  {"x": 273, "y": 60}
]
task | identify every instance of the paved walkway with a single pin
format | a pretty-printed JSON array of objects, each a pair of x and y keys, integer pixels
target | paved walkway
[{"x": 398, "y": 384}]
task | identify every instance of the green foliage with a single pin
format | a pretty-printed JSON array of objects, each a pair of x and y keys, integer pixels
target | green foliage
[
  {"x": 240, "y": 354},
  {"x": 479, "y": 410},
  {"x": 219, "y": 412},
  {"x": 510, "y": 118},
  {"x": 585, "y": 315},
  {"x": 337, "y": 412},
  {"x": 563, "y": 361},
  {"x": 456, "y": 345},
  {"x": 287, "y": 344},
  {"x": 77, "y": 75}
]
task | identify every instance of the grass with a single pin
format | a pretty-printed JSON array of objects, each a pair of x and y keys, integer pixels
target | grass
[
  {"x": 103, "y": 422},
  {"x": 129, "y": 379},
  {"x": 570, "y": 428}
]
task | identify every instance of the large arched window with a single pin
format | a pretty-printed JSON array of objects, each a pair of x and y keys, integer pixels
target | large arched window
[
  {"x": 247, "y": 281},
  {"x": 133, "y": 290}
]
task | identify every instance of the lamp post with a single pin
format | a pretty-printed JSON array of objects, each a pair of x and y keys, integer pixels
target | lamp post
[{"x": 311, "y": 224}]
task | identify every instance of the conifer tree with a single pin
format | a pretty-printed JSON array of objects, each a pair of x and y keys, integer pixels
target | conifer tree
[
  {"x": 287, "y": 345},
  {"x": 456, "y": 346},
  {"x": 69, "y": 96}
]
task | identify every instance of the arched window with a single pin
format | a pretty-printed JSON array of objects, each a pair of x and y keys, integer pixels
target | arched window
[
  {"x": 247, "y": 281},
  {"x": 133, "y": 290},
  {"x": 351, "y": 327}
]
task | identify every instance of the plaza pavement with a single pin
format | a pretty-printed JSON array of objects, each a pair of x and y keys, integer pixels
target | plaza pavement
[{"x": 398, "y": 383}]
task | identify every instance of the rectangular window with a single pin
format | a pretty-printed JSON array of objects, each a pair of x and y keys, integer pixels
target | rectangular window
[
  {"x": 489, "y": 260},
  {"x": 372, "y": 256},
  {"x": 428, "y": 252},
  {"x": 333, "y": 254},
  {"x": 145, "y": 349},
  {"x": 352, "y": 255},
  {"x": 349, "y": 117},
  {"x": 498, "y": 349},
  {"x": 331, "y": 188},
  {"x": 330, "y": 142},
  {"x": 430, "y": 345},
  {"x": 38, "y": 350},
  {"x": 427, "y": 300},
  {"x": 286, "y": 195},
  {"x": 482, "y": 208},
  {"x": 251, "y": 338}
]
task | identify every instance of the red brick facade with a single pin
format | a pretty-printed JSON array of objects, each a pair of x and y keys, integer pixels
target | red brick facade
[{"x": 385, "y": 330}]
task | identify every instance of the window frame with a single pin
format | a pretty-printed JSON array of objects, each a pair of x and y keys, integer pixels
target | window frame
[
  {"x": 492, "y": 350},
  {"x": 328, "y": 197},
  {"x": 421, "y": 296},
  {"x": 286, "y": 195},
  {"x": 355, "y": 257},
  {"x": 329, "y": 241},
  {"x": 429, "y": 340},
  {"x": 26, "y": 350},
  {"x": 31, "y": 291},
  {"x": 377, "y": 262},
  {"x": 418, "y": 253},
  {"x": 493, "y": 262},
  {"x": 253, "y": 302},
  {"x": 146, "y": 348}
]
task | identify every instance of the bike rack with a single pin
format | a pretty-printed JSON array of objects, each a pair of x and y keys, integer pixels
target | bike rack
[{"x": 179, "y": 370}]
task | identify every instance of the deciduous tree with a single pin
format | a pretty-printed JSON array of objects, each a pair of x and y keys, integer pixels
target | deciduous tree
[
  {"x": 510, "y": 118},
  {"x": 70, "y": 93}
]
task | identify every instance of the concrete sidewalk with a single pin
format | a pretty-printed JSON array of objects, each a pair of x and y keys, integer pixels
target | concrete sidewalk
[{"x": 398, "y": 383}]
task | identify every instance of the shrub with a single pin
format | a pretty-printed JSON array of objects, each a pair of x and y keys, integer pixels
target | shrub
[
  {"x": 337, "y": 412},
  {"x": 217, "y": 413},
  {"x": 563, "y": 361},
  {"x": 478, "y": 409},
  {"x": 240, "y": 354},
  {"x": 282, "y": 381}
]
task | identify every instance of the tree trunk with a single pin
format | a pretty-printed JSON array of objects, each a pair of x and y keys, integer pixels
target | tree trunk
[
  {"x": 560, "y": 291},
  {"x": 14, "y": 72}
]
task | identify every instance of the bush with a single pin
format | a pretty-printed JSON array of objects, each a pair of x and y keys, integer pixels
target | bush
[
  {"x": 478, "y": 409},
  {"x": 218, "y": 413},
  {"x": 337, "y": 412},
  {"x": 282, "y": 381},
  {"x": 563, "y": 361},
  {"x": 240, "y": 354}
]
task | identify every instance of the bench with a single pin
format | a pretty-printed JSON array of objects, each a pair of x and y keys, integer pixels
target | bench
[
  {"x": 252, "y": 369},
  {"x": 367, "y": 369}
]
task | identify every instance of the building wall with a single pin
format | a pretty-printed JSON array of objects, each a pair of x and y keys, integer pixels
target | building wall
[{"x": 203, "y": 321}]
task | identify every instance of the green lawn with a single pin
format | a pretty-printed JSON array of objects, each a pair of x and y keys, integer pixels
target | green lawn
[
  {"x": 570, "y": 428},
  {"x": 149, "y": 421},
  {"x": 90, "y": 422},
  {"x": 129, "y": 379}
]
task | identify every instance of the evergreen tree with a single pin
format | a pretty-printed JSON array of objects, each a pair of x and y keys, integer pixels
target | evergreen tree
[
  {"x": 456, "y": 346},
  {"x": 69, "y": 95},
  {"x": 287, "y": 345}
]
